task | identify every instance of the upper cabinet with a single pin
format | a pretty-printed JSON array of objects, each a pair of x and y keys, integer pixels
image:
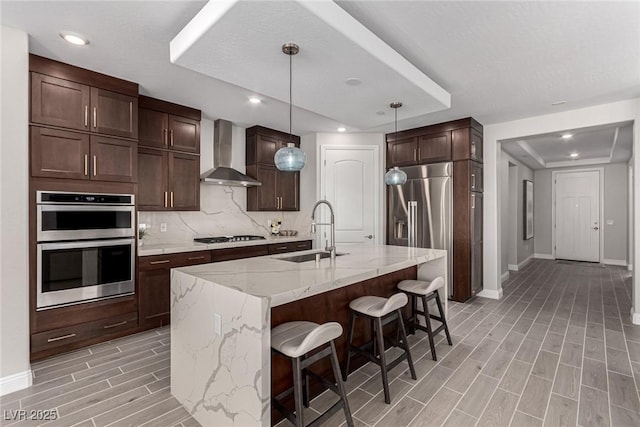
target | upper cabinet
[
  {"x": 280, "y": 190},
  {"x": 444, "y": 142},
  {"x": 84, "y": 125},
  {"x": 170, "y": 126},
  {"x": 168, "y": 160}
]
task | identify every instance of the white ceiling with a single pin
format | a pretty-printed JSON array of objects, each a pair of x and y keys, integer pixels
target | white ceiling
[
  {"x": 499, "y": 61},
  {"x": 610, "y": 143}
]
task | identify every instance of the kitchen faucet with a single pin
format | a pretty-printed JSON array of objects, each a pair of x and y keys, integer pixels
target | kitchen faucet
[{"x": 331, "y": 249}]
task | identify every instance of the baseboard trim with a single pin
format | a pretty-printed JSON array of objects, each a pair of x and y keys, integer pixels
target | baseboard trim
[
  {"x": 505, "y": 277},
  {"x": 15, "y": 382},
  {"x": 525, "y": 261},
  {"x": 635, "y": 317},
  {"x": 512, "y": 267},
  {"x": 490, "y": 293},
  {"x": 544, "y": 256},
  {"x": 620, "y": 262}
]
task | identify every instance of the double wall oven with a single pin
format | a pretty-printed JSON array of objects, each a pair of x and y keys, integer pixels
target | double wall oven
[{"x": 86, "y": 247}]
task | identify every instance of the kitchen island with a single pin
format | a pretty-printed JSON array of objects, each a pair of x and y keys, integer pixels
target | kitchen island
[{"x": 222, "y": 315}]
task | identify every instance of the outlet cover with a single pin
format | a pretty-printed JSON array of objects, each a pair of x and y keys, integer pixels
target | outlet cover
[{"x": 163, "y": 227}]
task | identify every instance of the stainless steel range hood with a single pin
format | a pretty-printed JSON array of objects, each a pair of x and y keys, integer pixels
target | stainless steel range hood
[{"x": 222, "y": 173}]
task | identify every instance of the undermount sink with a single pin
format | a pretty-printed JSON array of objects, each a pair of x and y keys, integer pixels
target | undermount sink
[{"x": 309, "y": 257}]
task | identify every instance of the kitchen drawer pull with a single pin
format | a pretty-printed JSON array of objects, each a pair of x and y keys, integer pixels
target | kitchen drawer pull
[
  {"x": 163, "y": 261},
  {"x": 86, "y": 115},
  {"x": 63, "y": 337},
  {"x": 193, "y": 258},
  {"x": 303, "y": 245},
  {"x": 473, "y": 201},
  {"x": 86, "y": 164},
  {"x": 95, "y": 165},
  {"x": 280, "y": 248},
  {"x": 124, "y": 322},
  {"x": 95, "y": 117}
]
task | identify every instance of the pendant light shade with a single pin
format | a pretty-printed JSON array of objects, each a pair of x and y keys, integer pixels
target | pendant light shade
[
  {"x": 395, "y": 176},
  {"x": 290, "y": 158}
]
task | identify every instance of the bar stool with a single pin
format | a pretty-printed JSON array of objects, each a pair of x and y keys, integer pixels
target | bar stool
[
  {"x": 426, "y": 291},
  {"x": 294, "y": 340},
  {"x": 380, "y": 311}
]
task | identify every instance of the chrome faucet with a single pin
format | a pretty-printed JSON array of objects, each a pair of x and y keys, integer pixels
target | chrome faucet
[{"x": 331, "y": 249}]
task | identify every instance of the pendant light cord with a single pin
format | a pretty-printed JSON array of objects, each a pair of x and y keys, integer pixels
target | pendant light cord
[{"x": 290, "y": 95}]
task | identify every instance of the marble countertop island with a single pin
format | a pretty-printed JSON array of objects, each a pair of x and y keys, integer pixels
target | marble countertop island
[{"x": 221, "y": 321}]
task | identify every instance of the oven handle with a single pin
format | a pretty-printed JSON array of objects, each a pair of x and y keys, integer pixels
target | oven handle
[
  {"x": 85, "y": 208},
  {"x": 86, "y": 244}
]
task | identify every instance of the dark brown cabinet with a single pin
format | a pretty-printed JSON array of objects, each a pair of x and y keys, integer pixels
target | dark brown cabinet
[
  {"x": 280, "y": 190},
  {"x": 467, "y": 144},
  {"x": 63, "y": 154},
  {"x": 280, "y": 248},
  {"x": 402, "y": 152},
  {"x": 168, "y": 181},
  {"x": 434, "y": 148},
  {"x": 168, "y": 163},
  {"x": 114, "y": 113}
]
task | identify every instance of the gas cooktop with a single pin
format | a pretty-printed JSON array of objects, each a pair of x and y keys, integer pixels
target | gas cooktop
[{"x": 225, "y": 239}]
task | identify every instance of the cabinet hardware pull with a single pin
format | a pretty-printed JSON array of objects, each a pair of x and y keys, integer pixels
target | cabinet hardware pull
[
  {"x": 124, "y": 322},
  {"x": 473, "y": 148},
  {"x": 164, "y": 137},
  {"x": 280, "y": 248},
  {"x": 95, "y": 165},
  {"x": 473, "y": 180},
  {"x": 166, "y": 195},
  {"x": 171, "y": 136},
  {"x": 302, "y": 246},
  {"x": 86, "y": 115},
  {"x": 415, "y": 154},
  {"x": 193, "y": 258},
  {"x": 131, "y": 116},
  {"x": 63, "y": 337},
  {"x": 473, "y": 201},
  {"x": 95, "y": 117},
  {"x": 162, "y": 261},
  {"x": 172, "y": 199},
  {"x": 86, "y": 164},
  {"x": 418, "y": 153}
]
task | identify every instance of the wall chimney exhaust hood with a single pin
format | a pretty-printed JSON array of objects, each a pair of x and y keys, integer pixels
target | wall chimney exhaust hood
[{"x": 222, "y": 173}]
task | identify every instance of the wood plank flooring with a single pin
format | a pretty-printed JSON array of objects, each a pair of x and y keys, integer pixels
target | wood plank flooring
[{"x": 557, "y": 350}]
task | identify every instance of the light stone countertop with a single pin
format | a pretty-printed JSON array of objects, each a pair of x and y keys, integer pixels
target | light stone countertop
[
  {"x": 191, "y": 246},
  {"x": 283, "y": 281}
]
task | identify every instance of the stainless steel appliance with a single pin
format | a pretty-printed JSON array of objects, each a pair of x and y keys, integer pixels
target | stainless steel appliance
[
  {"x": 420, "y": 212},
  {"x": 86, "y": 247},
  {"x": 225, "y": 239}
]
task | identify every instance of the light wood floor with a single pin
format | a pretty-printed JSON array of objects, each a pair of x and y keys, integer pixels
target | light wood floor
[{"x": 557, "y": 350}]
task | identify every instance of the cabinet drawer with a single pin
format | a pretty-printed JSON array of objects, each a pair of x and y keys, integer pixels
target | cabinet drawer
[
  {"x": 280, "y": 248},
  {"x": 191, "y": 258},
  {"x": 239, "y": 253},
  {"x": 85, "y": 331},
  {"x": 154, "y": 262}
]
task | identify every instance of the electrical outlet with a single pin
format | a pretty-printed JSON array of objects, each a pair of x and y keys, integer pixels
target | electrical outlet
[
  {"x": 163, "y": 227},
  {"x": 217, "y": 324}
]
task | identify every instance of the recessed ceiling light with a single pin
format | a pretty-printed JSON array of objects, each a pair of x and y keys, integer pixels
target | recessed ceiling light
[
  {"x": 342, "y": 129},
  {"x": 353, "y": 81},
  {"x": 254, "y": 100},
  {"x": 74, "y": 38},
  {"x": 567, "y": 136},
  {"x": 553, "y": 104},
  {"x": 573, "y": 155}
]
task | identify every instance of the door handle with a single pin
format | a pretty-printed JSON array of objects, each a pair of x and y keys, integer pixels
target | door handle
[
  {"x": 370, "y": 236},
  {"x": 165, "y": 139},
  {"x": 596, "y": 228},
  {"x": 171, "y": 137}
]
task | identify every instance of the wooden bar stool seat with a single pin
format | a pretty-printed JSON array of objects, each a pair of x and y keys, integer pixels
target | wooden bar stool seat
[
  {"x": 426, "y": 291},
  {"x": 295, "y": 340},
  {"x": 380, "y": 311}
]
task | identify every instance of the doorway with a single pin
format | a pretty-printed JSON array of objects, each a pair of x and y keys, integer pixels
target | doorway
[
  {"x": 351, "y": 181},
  {"x": 577, "y": 216}
]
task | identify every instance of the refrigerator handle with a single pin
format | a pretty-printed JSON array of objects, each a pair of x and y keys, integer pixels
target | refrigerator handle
[
  {"x": 415, "y": 225},
  {"x": 410, "y": 224}
]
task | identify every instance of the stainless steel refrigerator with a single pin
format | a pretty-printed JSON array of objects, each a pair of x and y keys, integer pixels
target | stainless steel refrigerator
[{"x": 420, "y": 212}]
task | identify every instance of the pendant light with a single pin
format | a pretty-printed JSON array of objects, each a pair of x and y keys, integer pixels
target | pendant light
[
  {"x": 395, "y": 176},
  {"x": 290, "y": 158}
]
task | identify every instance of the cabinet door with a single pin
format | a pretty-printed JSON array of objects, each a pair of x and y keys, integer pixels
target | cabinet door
[
  {"x": 154, "y": 297},
  {"x": 114, "y": 113},
  {"x": 184, "y": 134},
  {"x": 266, "y": 148},
  {"x": 476, "y": 243},
  {"x": 434, "y": 148},
  {"x": 59, "y": 102},
  {"x": 153, "y": 128},
  {"x": 466, "y": 144},
  {"x": 184, "y": 182},
  {"x": 113, "y": 159},
  {"x": 475, "y": 148},
  {"x": 288, "y": 190},
  {"x": 402, "y": 152},
  {"x": 59, "y": 153},
  {"x": 153, "y": 179},
  {"x": 265, "y": 197},
  {"x": 476, "y": 178}
]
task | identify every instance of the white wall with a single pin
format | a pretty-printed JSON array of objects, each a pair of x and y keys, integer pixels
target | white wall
[
  {"x": 615, "y": 201},
  {"x": 558, "y": 122},
  {"x": 15, "y": 371}
]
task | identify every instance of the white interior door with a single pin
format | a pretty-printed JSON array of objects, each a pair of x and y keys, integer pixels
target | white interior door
[
  {"x": 350, "y": 182},
  {"x": 578, "y": 216}
]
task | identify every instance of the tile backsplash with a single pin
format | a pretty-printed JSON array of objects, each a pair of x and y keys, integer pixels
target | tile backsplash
[{"x": 222, "y": 212}]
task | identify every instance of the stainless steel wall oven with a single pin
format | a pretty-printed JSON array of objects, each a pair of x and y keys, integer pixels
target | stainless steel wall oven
[{"x": 86, "y": 247}]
